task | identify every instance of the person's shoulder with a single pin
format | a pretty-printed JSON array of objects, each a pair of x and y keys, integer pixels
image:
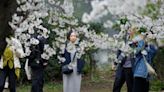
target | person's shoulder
[{"x": 15, "y": 41}]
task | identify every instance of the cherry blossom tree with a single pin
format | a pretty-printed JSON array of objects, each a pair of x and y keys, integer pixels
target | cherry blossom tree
[
  {"x": 52, "y": 20},
  {"x": 133, "y": 11}
]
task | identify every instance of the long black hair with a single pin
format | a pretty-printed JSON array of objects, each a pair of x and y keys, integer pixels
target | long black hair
[
  {"x": 69, "y": 34},
  {"x": 68, "y": 37}
]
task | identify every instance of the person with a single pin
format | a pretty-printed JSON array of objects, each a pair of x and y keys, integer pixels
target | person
[
  {"x": 72, "y": 81},
  {"x": 10, "y": 64},
  {"x": 37, "y": 64},
  {"x": 142, "y": 52},
  {"x": 124, "y": 71}
]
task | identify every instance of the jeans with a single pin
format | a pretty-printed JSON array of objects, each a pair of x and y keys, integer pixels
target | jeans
[{"x": 12, "y": 79}]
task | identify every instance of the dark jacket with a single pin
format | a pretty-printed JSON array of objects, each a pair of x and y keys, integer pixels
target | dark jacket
[
  {"x": 120, "y": 67},
  {"x": 35, "y": 60},
  {"x": 80, "y": 62}
]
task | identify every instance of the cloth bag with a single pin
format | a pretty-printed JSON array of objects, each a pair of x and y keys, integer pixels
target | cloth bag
[
  {"x": 68, "y": 69},
  {"x": 150, "y": 69},
  {"x": 28, "y": 70}
]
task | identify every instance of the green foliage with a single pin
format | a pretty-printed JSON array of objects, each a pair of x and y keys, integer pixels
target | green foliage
[
  {"x": 116, "y": 26},
  {"x": 48, "y": 87},
  {"x": 152, "y": 9},
  {"x": 156, "y": 85},
  {"x": 142, "y": 29},
  {"x": 98, "y": 27},
  {"x": 53, "y": 70},
  {"x": 86, "y": 68},
  {"x": 123, "y": 21},
  {"x": 23, "y": 77},
  {"x": 159, "y": 64},
  {"x": 88, "y": 63}
]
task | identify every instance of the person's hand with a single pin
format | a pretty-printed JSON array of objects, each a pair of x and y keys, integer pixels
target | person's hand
[
  {"x": 45, "y": 64},
  {"x": 134, "y": 51},
  {"x": 144, "y": 52}
]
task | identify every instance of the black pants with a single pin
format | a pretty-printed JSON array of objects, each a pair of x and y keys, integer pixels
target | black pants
[
  {"x": 126, "y": 75},
  {"x": 37, "y": 80},
  {"x": 140, "y": 85},
  {"x": 12, "y": 79}
]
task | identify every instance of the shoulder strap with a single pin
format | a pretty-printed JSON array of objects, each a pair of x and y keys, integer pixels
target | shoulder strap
[{"x": 74, "y": 56}]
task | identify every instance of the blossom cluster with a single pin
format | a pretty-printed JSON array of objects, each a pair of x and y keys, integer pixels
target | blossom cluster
[
  {"x": 37, "y": 14},
  {"x": 132, "y": 10}
]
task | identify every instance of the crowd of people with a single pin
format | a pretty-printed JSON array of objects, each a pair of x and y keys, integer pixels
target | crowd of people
[{"x": 131, "y": 66}]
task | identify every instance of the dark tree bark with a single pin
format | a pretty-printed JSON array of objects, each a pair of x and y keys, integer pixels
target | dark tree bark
[
  {"x": 159, "y": 64},
  {"x": 92, "y": 66},
  {"x": 7, "y": 8}
]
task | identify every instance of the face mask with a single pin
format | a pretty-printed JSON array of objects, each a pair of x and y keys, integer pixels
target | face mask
[{"x": 137, "y": 38}]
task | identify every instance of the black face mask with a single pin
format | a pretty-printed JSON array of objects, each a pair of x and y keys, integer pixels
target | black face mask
[{"x": 34, "y": 48}]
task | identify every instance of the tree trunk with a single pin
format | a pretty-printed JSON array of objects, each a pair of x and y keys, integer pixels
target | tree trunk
[
  {"x": 92, "y": 67},
  {"x": 7, "y": 8},
  {"x": 159, "y": 64}
]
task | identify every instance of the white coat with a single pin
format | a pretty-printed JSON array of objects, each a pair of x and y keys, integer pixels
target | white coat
[{"x": 17, "y": 49}]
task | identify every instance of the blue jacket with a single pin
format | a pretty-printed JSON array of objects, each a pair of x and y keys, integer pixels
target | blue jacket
[
  {"x": 80, "y": 62},
  {"x": 151, "y": 49},
  {"x": 140, "y": 69}
]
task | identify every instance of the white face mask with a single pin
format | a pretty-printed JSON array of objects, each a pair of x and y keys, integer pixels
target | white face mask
[{"x": 137, "y": 38}]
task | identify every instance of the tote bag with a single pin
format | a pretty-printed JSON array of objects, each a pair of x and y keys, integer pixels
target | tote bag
[{"x": 150, "y": 69}]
